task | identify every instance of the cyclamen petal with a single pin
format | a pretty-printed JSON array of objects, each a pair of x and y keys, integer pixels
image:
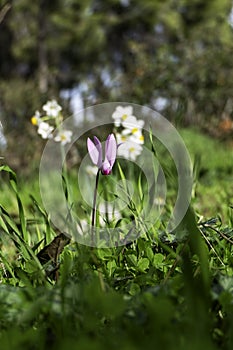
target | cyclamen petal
[
  {"x": 99, "y": 149},
  {"x": 111, "y": 149},
  {"x": 106, "y": 167},
  {"x": 93, "y": 151}
]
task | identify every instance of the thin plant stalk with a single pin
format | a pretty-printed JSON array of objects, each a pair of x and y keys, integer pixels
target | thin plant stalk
[
  {"x": 93, "y": 223},
  {"x": 93, "y": 219}
]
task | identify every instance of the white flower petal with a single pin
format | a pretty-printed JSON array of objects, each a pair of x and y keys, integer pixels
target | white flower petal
[
  {"x": 52, "y": 108},
  {"x": 64, "y": 137},
  {"x": 121, "y": 113},
  {"x": 132, "y": 122},
  {"x": 45, "y": 130},
  {"x": 129, "y": 150}
]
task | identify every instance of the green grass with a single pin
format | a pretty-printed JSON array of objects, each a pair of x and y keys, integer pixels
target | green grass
[
  {"x": 215, "y": 156},
  {"x": 165, "y": 291},
  {"x": 213, "y": 164}
]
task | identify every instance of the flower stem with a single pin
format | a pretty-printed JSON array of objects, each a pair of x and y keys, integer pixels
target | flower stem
[{"x": 93, "y": 219}]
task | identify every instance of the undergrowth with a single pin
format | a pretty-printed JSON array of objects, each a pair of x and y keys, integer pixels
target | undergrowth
[{"x": 165, "y": 290}]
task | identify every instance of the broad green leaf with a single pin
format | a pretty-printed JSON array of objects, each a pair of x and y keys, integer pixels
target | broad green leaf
[
  {"x": 158, "y": 260},
  {"x": 134, "y": 289},
  {"x": 143, "y": 264}
]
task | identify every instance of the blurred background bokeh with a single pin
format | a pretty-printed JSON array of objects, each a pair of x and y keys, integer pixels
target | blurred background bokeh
[{"x": 174, "y": 56}]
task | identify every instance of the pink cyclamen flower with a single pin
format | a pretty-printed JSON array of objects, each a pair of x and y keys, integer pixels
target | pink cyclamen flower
[{"x": 96, "y": 153}]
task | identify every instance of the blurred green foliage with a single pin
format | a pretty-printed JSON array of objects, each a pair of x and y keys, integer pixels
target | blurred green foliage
[{"x": 171, "y": 293}]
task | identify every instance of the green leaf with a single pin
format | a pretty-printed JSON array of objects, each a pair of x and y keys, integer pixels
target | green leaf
[
  {"x": 149, "y": 253},
  {"x": 104, "y": 254},
  {"x": 13, "y": 183},
  {"x": 134, "y": 289},
  {"x": 122, "y": 175},
  {"x": 143, "y": 264},
  {"x": 158, "y": 260},
  {"x": 140, "y": 190},
  {"x": 132, "y": 260},
  {"x": 111, "y": 266}
]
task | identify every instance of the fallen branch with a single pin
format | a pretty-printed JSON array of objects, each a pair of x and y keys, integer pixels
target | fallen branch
[{"x": 4, "y": 11}]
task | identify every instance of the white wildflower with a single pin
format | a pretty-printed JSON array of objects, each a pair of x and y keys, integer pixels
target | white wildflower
[
  {"x": 121, "y": 113},
  {"x": 52, "y": 108},
  {"x": 134, "y": 136},
  {"x": 133, "y": 125},
  {"x": 133, "y": 128},
  {"x": 36, "y": 119},
  {"x": 64, "y": 136},
  {"x": 120, "y": 138},
  {"x": 129, "y": 149},
  {"x": 45, "y": 130}
]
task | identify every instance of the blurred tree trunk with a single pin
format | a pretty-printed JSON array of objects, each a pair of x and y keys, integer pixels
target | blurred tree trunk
[{"x": 42, "y": 48}]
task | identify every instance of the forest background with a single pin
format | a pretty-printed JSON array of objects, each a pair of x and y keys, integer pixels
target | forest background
[{"x": 172, "y": 56}]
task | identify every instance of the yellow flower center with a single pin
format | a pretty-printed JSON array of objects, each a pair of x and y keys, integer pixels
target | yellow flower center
[
  {"x": 63, "y": 137},
  {"x": 34, "y": 120},
  {"x": 132, "y": 149},
  {"x": 141, "y": 138},
  {"x": 134, "y": 130},
  {"x": 124, "y": 116}
]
